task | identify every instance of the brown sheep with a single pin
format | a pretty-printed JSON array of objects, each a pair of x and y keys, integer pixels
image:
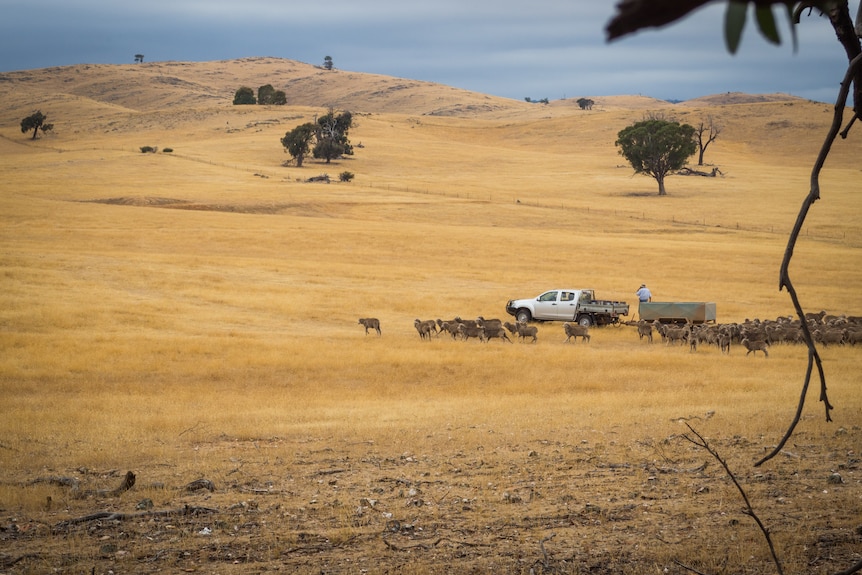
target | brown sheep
[
  {"x": 482, "y": 322},
  {"x": 449, "y": 327},
  {"x": 425, "y": 328},
  {"x": 755, "y": 346},
  {"x": 491, "y": 332},
  {"x": 370, "y": 323},
  {"x": 525, "y": 331},
  {"x": 829, "y": 336},
  {"x": 644, "y": 330},
  {"x": 575, "y": 330},
  {"x": 467, "y": 331},
  {"x": 724, "y": 343},
  {"x": 674, "y": 334},
  {"x": 513, "y": 328}
]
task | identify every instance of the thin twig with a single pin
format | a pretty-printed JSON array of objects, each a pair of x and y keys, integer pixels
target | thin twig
[{"x": 749, "y": 510}]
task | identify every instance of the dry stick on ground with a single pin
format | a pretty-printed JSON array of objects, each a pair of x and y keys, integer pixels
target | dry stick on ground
[
  {"x": 784, "y": 277},
  {"x": 749, "y": 510},
  {"x": 116, "y": 516}
]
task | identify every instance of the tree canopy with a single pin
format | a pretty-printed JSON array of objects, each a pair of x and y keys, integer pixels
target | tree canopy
[
  {"x": 35, "y": 122},
  {"x": 331, "y": 134},
  {"x": 244, "y": 95},
  {"x": 297, "y": 142},
  {"x": 656, "y": 147}
]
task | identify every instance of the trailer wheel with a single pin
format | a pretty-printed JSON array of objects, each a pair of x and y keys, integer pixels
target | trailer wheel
[
  {"x": 523, "y": 316},
  {"x": 585, "y": 321}
]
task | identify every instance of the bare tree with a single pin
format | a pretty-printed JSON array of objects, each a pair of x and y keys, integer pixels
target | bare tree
[{"x": 705, "y": 133}]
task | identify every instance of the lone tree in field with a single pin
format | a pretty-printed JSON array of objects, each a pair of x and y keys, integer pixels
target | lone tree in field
[
  {"x": 244, "y": 95},
  {"x": 656, "y": 148},
  {"x": 585, "y": 103},
  {"x": 705, "y": 133},
  {"x": 327, "y": 62},
  {"x": 297, "y": 142},
  {"x": 139, "y": 58},
  {"x": 35, "y": 122}
]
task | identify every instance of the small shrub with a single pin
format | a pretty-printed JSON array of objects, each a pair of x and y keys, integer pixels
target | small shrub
[
  {"x": 167, "y": 150},
  {"x": 149, "y": 150},
  {"x": 345, "y": 176}
]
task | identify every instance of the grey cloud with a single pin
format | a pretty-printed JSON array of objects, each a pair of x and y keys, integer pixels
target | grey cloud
[{"x": 509, "y": 48}]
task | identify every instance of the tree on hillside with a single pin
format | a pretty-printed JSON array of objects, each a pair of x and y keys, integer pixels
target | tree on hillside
[
  {"x": 327, "y": 62},
  {"x": 331, "y": 134},
  {"x": 656, "y": 147},
  {"x": 585, "y": 103},
  {"x": 35, "y": 122},
  {"x": 297, "y": 142},
  {"x": 268, "y": 95},
  {"x": 265, "y": 94},
  {"x": 244, "y": 95},
  {"x": 705, "y": 133},
  {"x": 279, "y": 98},
  {"x": 139, "y": 58}
]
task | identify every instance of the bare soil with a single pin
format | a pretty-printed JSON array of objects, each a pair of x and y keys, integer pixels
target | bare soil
[{"x": 321, "y": 505}]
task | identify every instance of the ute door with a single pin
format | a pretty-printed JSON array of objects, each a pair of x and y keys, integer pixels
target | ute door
[
  {"x": 568, "y": 307},
  {"x": 547, "y": 306}
]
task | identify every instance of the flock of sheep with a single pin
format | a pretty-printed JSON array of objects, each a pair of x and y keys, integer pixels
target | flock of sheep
[
  {"x": 757, "y": 335},
  {"x": 480, "y": 328},
  {"x": 754, "y": 335}
]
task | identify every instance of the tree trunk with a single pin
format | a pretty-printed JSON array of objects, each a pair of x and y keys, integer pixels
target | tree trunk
[
  {"x": 700, "y": 156},
  {"x": 35, "y": 131},
  {"x": 661, "y": 190}
]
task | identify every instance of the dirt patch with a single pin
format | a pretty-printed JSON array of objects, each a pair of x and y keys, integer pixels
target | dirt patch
[
  {"x": 317, "y": 505},
  {"x": 173, "y": 203},
  {"x": 139, "y": 201}
]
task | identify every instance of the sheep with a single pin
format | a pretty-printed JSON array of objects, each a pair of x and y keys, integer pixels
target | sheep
[
  {"x": 755, "y": 346},
  {"x": 425, "y": 328},
  {"x": 482, "y": 322},
  {"x": 513, "y": 328},
  {"x": 854, "y": 336},
  {"x": 490, "y": 332},
  {"x": 468, "y": 331},
  {"x": 575, "y": 330},
  {"x": 370, "y": 323},
  {"x": 674, "y": 334},
  {"x": 724, "y": 343},
  {"x": 644, "y": 330},
  {"x": 449, "y": 327},
  {"x": 525, "y": 331},
  {"x": 829, "y": 336}
]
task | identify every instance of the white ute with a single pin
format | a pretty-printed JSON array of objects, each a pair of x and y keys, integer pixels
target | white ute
[{"x": 578, "y": 305}]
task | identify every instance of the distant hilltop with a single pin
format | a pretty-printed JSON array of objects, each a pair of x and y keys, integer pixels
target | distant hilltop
[{"x": 147, "y": 86}]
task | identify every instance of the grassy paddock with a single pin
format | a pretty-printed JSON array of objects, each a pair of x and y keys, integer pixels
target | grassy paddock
[{"x": 221, "y": 340}]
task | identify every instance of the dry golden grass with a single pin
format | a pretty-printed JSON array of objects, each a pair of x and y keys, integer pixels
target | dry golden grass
[{"x": 194, "y": 314}]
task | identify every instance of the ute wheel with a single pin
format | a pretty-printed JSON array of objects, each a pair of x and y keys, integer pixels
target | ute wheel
[
  {"x": 585, "y": 321},
  {"x": 523, "y": 316}
]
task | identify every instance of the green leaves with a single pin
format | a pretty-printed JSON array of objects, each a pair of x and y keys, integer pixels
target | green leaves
[
  {"x": 735, "y": 17},
  {"x": 734, "y": 24}
]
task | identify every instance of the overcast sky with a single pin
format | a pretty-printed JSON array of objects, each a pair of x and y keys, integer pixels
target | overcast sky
[{"x": 511, "y": 48}]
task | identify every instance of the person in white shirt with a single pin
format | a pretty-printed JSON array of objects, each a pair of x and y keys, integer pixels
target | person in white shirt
[{"x": 644, "y": 294}]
